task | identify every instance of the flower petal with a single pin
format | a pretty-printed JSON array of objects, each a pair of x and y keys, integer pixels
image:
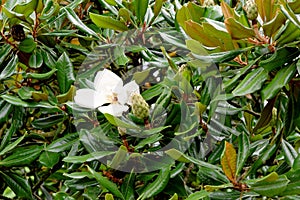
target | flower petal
[
  {"x": 106, "y": 81},
  {"x": 113, "y": 109},
  {"x": 89, "y": 98},
  {"x": 131, "y": 88}
]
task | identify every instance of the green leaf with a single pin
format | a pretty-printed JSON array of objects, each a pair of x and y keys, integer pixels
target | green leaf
[
  {"x": 22, "y": 156},
  {"x": 181, "y": 157},
  {"x": 65, "y": 73},
  {"x": 104, "y": 182},
  {"x": 265, "y": 117},
  {"x": 88, "y": 157},
  {"x": 279, "y": 81},
  {"x": 117, "y": 122},
  {"x": 228, "y": 162},
  {"x": 49, "y": 159},
  {"x": 108, "y": 22},
  {"x": 6, "y": 109},
  {"x": 40, "y": 76},
  {"x": 251, "y": 83},
  {"x": 47, "y": 122},
  {"x": 279, "y": 58},
  {"x": 119, "y": 157},
  {"x": 36, "y": 59},
  {"x": 119, "y": 55},
  {"x": 156, "y": 186},
  {"x": 149, "y": 140},
  {"x": 12, "y": 145},
  {"x": 128, "y": 187},
  {"x": 243, "y": 152},
  {"x": 63, "y": 143},
  {"x": 290, "y": 154},
  {"x": 271, "y": 185},
  {"x": 10, "y": 68},
  {"x": 287, "y": 11},
  {"x": 26, "y": 8},
  {"x": 141, "y": 9},
  {"x": 198, "y": 195},
  {"x": 78, "y": 23},
  {"x": 19, "y": 185},
  {"x": 27, "y": 45},
  {"x": 5, "y": 51}
]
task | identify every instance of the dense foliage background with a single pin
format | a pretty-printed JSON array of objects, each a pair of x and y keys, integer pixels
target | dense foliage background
[{"x": 228, "y": 87}]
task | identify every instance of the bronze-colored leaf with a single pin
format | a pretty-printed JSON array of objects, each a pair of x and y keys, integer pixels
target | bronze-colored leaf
[{"x": 228, "y": 162}]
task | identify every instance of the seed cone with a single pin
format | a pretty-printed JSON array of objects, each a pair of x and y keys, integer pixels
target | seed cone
[
  {"x": 140, "y": 107},
  {"x": 207, "y": 3},
  {"x": 251, "y": 9}
]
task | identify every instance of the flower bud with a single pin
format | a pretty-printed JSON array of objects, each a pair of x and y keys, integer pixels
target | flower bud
[
  {"x": 251, "y": 9},
  {"x": 208, "y": 3},
  {"x": 140, "y": 107}
]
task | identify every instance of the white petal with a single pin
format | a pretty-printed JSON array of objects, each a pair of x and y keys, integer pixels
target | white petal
[
  {"x": 88, "y": 98},
  {"x": 113, "y": 109},
  {"x": 107, "y": 81},
  {"x": 130, "y": 89}
]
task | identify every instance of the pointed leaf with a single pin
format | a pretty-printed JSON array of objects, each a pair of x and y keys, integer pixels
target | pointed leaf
[
  {"x": 78, "y": 23},
  {"x": 228, "y": 162},
  {"x": 104, "y": 182},
  {"x": 279, "y": 81},
  {"x": 140, "y": 9},
  {"x": 19, "y": 185},
  {"x": 251, "y": 83},
  {"x": 108, "y": 22},
  {"x": 237, "y": 30},
  {"x": 10, "y": 68},
  {"x": 289, "y": 152},
  {"x": 65, "y": 73},
  {"x": 243, "y": 153}
]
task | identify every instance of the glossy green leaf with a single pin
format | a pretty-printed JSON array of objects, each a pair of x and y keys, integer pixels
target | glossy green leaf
[
  {"x": 251, "y": 83},
  {"x": 18, "y": 184},
  {"x": 179, "y": 156},
  {"x": 265, "y": 117},
  {"x": 243, "y": 152},
  {"x": 88, "y": 157},
  {"x": 10, "y": 68},
  {"x": 6, "y": 109},
  {"x": 22, "y": 156},
  {"x": 149, "y": 140},
  {"x": 157, "y": 185},
  {"x": 5, "y": 51},
  {"x": 104, "y": 182},
  {"x": 279, "y": 58},
  {"x": 128, "y": 188},
  {"x": 12, "y": 145},
  {"x": 36, "y": 59},
  {"x": 198, "y": 195},
  {"x": 279, "y": 81},
  {"x": 108, "y": 22},
  {"x": 63, "y": 143},
  {"x": 49, "y": 159},
  {"x": 289, "y": 152},
  {"x": 285, "y": 8},
  {"x": 120, "y": 123},
  {"x": 78, "y": 23},
  {"x": 40, "y": 76},
  {"x": 119, "y": 157},
  {"x": 65, "y": 73},
  {"x": 271, "y": 185},
  {"x": 141, "y": 9},
  {"x": 47, "y": 122},
  {"x": 27, "y": 45}
]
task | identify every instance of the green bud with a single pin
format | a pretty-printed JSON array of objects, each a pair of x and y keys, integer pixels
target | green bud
[
  {"x": 251, "y": 9},
  {"x": 199, "y": 108},
  {"x": 140, "y": 107},
  {"x": 208, "y": 3}
]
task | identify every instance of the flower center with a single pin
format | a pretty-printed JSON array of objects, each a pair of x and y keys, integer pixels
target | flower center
[{"x": 113, "y": 98}]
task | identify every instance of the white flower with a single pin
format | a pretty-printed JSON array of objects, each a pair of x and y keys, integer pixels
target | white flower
[{"x": 109, "y": 89}]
